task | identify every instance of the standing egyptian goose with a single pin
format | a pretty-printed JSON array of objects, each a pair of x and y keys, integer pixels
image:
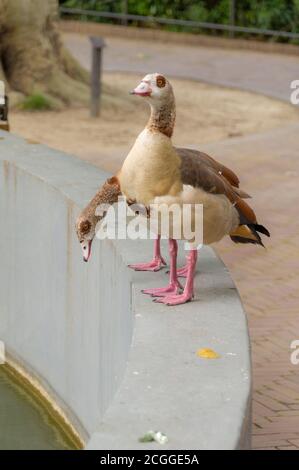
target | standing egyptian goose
[
  {"x": 110, "y": 191},
  {"x": 189, "y": 158},
  {"x": 153, "y": 172}
]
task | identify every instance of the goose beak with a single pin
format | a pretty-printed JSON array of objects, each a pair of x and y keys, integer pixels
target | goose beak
[
  {"x": 86, "y": 249},
  {"x": 143, "y": 89}
]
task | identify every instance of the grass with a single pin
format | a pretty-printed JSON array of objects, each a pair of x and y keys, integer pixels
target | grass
[{"x": 36, "y": 102}]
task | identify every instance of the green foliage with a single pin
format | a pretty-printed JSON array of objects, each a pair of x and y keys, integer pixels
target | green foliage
[
  {"x": 37, "y": 102},
  {"x": 266, "y": 14},
  {"x": 270, "y": 14}
]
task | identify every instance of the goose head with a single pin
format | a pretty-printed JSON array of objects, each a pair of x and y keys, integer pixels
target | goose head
[
  {"x": 154, "y": 87},
  {"x": 85, "y": 228}
]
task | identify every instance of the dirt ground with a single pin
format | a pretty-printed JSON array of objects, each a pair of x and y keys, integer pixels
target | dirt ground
[{"x": 205, "y": 114}]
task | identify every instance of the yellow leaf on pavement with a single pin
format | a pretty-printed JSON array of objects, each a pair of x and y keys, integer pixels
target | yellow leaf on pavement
[{"x": 207, "y": 353}]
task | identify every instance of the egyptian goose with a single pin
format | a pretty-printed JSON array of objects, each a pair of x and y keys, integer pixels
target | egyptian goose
[
  {"x": 153, "y": 172},
  {"x": 188, "y": 156},
  {"x": 110, "y": 192},
  {"x": 88, "y": 219}
]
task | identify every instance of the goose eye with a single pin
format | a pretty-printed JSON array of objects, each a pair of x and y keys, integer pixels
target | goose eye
[{"x": 161, "y": 81}]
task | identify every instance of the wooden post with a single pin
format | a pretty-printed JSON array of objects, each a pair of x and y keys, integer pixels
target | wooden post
[
  {"x": 125, "y": 12},
  {"x": 232, "y": 15},
  {"x": 96, "y": 74}
]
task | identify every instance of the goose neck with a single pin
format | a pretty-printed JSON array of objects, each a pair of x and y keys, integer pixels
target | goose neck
[{"x": 162, "y": 118}]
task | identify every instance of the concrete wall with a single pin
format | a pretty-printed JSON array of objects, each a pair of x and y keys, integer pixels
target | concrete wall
[{"x": 70, "y": 324}]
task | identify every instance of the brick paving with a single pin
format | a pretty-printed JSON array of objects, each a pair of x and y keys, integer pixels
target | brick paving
[
  {"x": 268, "y": 165},
  {"x": 268, "y": 279}
]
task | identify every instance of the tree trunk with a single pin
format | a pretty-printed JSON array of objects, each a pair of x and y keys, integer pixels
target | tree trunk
[{"x": 32, "y": 56}]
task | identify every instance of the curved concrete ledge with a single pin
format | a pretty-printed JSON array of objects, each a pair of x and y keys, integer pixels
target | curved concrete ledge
[{"x": 116, "y": 364}]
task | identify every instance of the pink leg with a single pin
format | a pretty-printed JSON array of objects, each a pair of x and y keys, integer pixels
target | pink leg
[
  {"x": 174, "y": 286},
  {"x": 188, "y": 293},
  {"x": 156, "y": 264},
  {"x": 183, "y": 272}
]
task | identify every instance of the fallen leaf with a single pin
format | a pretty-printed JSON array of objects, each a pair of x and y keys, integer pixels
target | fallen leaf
[
  {"x": 157, "y": 436},
  {"x": 148, "y": 437},
  {"x": 207, "y": 353}
]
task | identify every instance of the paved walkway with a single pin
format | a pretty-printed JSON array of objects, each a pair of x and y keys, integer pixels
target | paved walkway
[
  {"x": 268, "y": 164},
  {"x": 268, "y": 280},
  {"x": 270, "y": 74}
]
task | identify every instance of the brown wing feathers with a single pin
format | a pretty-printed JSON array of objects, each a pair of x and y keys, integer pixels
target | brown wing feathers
[
  {"x": 228, "y": 174},
  {"x": 200, "y": 170}
]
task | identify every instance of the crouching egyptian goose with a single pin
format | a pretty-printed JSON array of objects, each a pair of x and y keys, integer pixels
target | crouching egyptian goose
[
  {"x": 87, "y": 221},
  {"x": 155, "y": 173}
]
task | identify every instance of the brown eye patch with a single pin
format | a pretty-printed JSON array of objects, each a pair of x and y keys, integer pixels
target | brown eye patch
[
  {"x": 161, "y": 81},
  {"x": 85, "y": 226}
]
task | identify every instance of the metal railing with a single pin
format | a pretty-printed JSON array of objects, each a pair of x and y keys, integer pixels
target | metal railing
[{"x": 231, "y": 28}]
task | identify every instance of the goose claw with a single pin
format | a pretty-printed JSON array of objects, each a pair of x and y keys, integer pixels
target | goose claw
[
  {"x": 173, "y": 300},
  {"x": 153, "y": 266},
  {"x": 164, "y": 291}
]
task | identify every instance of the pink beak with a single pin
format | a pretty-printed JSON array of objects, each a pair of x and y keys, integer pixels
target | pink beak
[
  {"x": 86, "y": 248},
  {"x": 143, "y": 89}
]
